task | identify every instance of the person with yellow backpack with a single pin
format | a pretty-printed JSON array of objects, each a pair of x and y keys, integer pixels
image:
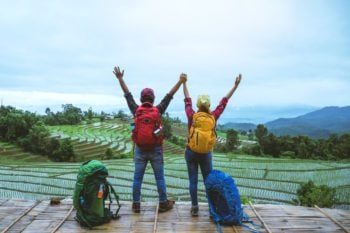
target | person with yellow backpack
[{"x": 202, "y": 137}]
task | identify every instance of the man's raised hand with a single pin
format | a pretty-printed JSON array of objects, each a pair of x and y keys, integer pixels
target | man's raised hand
[{"x": 119, "y": 74}]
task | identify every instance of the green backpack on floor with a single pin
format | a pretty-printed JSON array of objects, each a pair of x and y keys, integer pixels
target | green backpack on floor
[{"x": 90, "y": 193}]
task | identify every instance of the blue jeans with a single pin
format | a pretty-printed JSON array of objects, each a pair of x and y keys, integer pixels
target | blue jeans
[
  {"x": 155, "y": 156},
  {"x": 194, "y": 159}
]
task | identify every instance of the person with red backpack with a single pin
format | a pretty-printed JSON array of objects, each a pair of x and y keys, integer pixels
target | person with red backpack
[
  {"x": 148, "y": 139},
  {"x": 202, "y": 137}
]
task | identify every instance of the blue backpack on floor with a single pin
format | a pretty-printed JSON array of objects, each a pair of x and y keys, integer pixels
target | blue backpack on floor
[{"x": 224, "y": 201}]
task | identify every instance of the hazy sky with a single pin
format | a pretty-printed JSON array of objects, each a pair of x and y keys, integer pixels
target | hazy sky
[{"x": 289, "y": 52}]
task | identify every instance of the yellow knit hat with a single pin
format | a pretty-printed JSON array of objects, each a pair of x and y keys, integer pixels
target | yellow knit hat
[{"x": 204, "y": 101}]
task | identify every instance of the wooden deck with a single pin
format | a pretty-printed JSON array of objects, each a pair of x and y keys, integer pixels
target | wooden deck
[{"x": 39, "y": 216}]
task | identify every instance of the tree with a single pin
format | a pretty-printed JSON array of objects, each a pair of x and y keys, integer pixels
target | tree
[
  {"x": 71, "y": 114},
  {"x": 67, "y": 150},
  {"x": 64, "y": 153},
  {"x": 272, "y": 145},
  {"x": 89, "y": 114},
  {"x": 52, "y": 146},
  {"x": 38, "y": 139},
  {"x": 250, "y": 134},
  {"x": 48, "y": 111},
  {"x": 15, "y": 124},
  {"x": 342, "y": 148},
  {"x": 121, "y": 114},
  {"x": 261, "y": 133},
  {"x": 166, "y": 121},
  {"x": 103, "y": 116},
  {"x": 310, "y": 194},
  {"x": 108, "y": 153},
  {"x": 232, "y": 141}
]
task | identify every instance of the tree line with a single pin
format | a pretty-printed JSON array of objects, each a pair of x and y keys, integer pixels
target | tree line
[
  {"x": 28, "y": 131},
  {"x": 264, "y": 143},
  {"x": 304, "y": 147}
]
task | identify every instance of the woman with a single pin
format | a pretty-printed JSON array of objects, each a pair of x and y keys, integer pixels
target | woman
[{"x": 200, "y": 156}]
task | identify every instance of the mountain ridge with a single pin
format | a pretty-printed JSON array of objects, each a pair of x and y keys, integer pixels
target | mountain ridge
[{"x": 316, "y": 124}]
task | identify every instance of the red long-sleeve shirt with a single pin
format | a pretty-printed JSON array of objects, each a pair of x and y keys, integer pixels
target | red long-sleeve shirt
[{"x": 216, "y": 113}]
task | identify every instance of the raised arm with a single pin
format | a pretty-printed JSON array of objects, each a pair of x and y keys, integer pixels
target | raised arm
[
  {"x": 182, "y": 79},
  {"x": 162, "y": 106},
  {"x": 188, "y": 104},
  {"x": 233, "y": 89},
  {"x": 119, "y": 74},
  {"x": 129, "y": 98},
  {"x": 186, "y": 93}
]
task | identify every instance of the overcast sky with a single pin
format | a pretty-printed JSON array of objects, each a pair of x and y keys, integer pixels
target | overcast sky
[{"x": 289, "y": 52}]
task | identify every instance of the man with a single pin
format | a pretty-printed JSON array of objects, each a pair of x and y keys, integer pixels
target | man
[{"x": 148, "y": 152}]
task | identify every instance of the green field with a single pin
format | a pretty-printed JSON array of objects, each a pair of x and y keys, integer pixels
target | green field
[{"x": 265, "y": 180}]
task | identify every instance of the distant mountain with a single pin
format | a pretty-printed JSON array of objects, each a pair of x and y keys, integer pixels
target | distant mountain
[
  {"x": 317, "y": 124},
  {"x": 239, "y": 126}
]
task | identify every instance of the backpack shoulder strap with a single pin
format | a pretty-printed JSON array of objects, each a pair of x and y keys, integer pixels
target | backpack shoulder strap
[{"x": 115, "y": 216}]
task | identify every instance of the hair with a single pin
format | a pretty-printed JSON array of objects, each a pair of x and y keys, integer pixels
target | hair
[
  {"x": 203, "y": 108},
  {"x": 203, "y": 103}
]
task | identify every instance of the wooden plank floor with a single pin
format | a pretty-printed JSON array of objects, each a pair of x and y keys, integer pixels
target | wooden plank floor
[{"x": 40, "y": 216}]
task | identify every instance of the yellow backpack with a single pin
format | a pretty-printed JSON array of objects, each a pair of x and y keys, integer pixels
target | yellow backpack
[{"x": 202, "y": 136}]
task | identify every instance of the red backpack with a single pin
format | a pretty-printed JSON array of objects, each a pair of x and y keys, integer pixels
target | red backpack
[{"x": 148, "y": 127}]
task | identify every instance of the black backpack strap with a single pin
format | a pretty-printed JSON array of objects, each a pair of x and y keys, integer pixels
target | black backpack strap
[{"x": 114, "y": 216}]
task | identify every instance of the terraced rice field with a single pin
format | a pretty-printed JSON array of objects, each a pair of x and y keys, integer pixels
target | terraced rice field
[
  {"x": 90, "y": 141},
  {"x": 10, "y": 153},
  {"x": 264, "y": 180}
]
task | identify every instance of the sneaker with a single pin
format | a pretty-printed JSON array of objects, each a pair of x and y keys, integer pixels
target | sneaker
[
  {"x": 136, "y": 207},
  {"x": 166, "y": 205},
  {"x": 194, "y": 210}
]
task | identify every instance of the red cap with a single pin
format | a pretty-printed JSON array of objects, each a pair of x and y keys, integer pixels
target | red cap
[{"x": 147, "y": 94}]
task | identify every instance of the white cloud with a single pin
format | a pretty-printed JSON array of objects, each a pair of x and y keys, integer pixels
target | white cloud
[
  {"x": 71, "y": 47},
  {"x": 322, "y": 92},
  {"x": 30, "y": 98}
]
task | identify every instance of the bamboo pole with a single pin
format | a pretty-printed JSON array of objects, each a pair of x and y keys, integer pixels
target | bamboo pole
[
  {"x": 156, "y": 219},
  {"x": 21, "y": 216},
  {"x": 234, "y": 229},
  {"x": 65, "y": 218},
  {"x": 331, "y": 218},
  {"x": 260, "y": 218}
]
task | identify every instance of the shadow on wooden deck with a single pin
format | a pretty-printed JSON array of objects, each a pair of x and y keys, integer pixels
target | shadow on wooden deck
[{"x": 39, "y": 216}]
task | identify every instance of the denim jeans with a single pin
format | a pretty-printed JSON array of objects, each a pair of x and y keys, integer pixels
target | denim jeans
[
  {"x": 194, "y": 159},
  {"x": 155, "y": 156}
]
